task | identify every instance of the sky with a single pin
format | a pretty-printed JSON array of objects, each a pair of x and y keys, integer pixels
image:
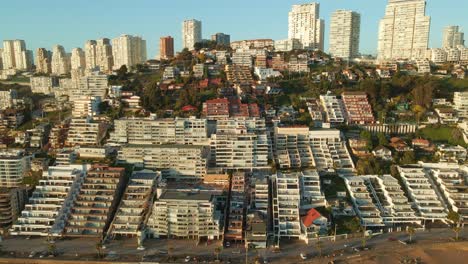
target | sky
[{"x": 45, "y": 23}]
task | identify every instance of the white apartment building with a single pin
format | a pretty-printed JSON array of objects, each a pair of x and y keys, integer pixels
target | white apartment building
[
  {"x": 438, "y": 56},
  {"x": 85, "y": 132},
  {"x": 292, "y": 147},
  {"x": 380, "y": 201},
  {"x": 43, "y": 84},
  {"x": 7, "y": 99},
  {"x": 242, "y": 59},
  {"x": 90, "y": 54},
  {"x": 305, "y": 24},
  {"x": 16, "y": 56},
  {"x": 286, "y": 200},
  {"x": 260, "y": 194},
  {"x": 86, "y": 106},
  {"x": 460, "y": 102},
  {"x": 329, "y": 151},
  {"x": 334, "y": 109},
  {"x": 191, "y": 33},
  {"x": 312, "y": 195},
  {"x": 265, "y": 73},
  {"x": 185, "y": 214},
  {"x": 61, "y": 64},
  {"x": 423, "y": 193},
  {"x": 404, "y": 30},
  {"x": 77, "y": 58},
  {"x": 452, "y": 37},
  {"x": 174, "y": 161},
  {"x": 287, "y": 45},
  {"x": 128, "y": 50},
  {"x": 14, "y": 165},
  {"x": 94, "y": 85},
  {"x": 104, "y": 56},
  {"x": 423, "y": 66},
  {"x": 135, "y": 203},
  {"x": 43, "y": 61},
  {"x": 345, "y": 30},
  {"x": 149, "y": 131},
  {"x": 47, "y": 210}
]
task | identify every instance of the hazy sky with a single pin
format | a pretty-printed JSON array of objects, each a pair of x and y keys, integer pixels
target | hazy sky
[{"x": 44, "y": 23}]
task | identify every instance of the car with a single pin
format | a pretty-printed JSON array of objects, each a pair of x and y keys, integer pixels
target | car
[
  {"x": 303, "y": 256},
  {"x": 187, "y": 259},
  {"x": 162, "y": 252},
  {"x": 33, "y": 253},
  {"x": 228, "y": 244},
  {"x": 237, "y": 251}
]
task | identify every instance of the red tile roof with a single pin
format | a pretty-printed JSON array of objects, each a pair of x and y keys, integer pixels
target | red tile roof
[{"x": 311, "y": 216}]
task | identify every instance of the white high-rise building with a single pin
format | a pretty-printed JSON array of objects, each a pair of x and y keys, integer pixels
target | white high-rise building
[
  {"x": 191, "y": 33},
  {"x": 16, "y": 56},
  {"x": 60, "y": 61},
  {"x": 128, "y": 50},
  {"x": 78, "y": 59},
  {"x": 344, "y": 34},
  {"x": 453, "y": 37},
  {"x": 104, "y": 58},
  {"x": 305, "y": 24},
  {"x": 90, "y": 54},
  {"x": 43, "y": 59},
  {"x": 404, "y": 30}
]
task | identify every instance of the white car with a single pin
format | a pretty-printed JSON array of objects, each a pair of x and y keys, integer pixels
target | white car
[
  {"x": 303, "y": 256},
  {"x": 187, "y": 259}
]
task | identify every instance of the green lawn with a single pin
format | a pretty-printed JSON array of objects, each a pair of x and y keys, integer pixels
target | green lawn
[{"x": 443, "y": 134}]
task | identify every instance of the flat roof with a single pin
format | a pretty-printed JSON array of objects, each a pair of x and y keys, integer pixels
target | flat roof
[{"x": 174, "y": 195}]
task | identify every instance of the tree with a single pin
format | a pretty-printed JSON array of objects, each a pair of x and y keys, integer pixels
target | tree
[
  {"x": 99, "y": 247},
  {"x": 455, "y": 218},
  {"x": 382, "y": 139},
  {"x": 410, "y": 231},
  {"x": 364, "y": 238},
  {"x": 51, "y": 248},
  {"x": 408, "y": 158},
  {"x": 366, "y": 135}
]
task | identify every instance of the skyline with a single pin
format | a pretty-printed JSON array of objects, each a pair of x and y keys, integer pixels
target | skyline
[{"x": 91, "y": 23}]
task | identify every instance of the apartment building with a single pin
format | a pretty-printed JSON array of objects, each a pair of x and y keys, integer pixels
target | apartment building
[
  {"x": 333, "y": 107},
  {"x": 15, "y": 56},
  {"x": 452, "y": 37},
  {"x": 191, "y": 33},
  {"x": 144, "y": 131},
  {"x": 242, "y": 59},
  {"x": 237, "y": 208},
  {"x": 345, "y": 28},
  {"x": 252, "y": 44},
  {"x": 423, "y": 193},
  {"x": 460, "y": 102},
  {"x": 312, "y": 195},
  {"x": 452, "y": 183},
  {"x": 94, "y": 85},
  {"x": 259, "y": 193},
  {"x": 286, "y": 45},
  {"x": 12, "y": 202},
  {"x": 61, "y": 64},
  {"x": 43, "y": 84},
  {"x": 292, "y": 147},
  {"x": 135, "y": 204},
  {"x": 357, "y": 108},
  {"x": 46, "y": 212},
  {"x": 85, "y": 132},
  {"x": 14, "y": 165},
  {"x": 58, "y": 135},
  {"x": 238, "y": 74},
  {"x": 174, "y": 161},
  {"x": 43, "y": 61},
  {"x": 404, "y": 30},
  {"x": 380, "y": 201},
  {"x": 78, "y": 59},
  {"x": 98, "y": 55},
  {"x": 166, "y": 48},
  {"x": 239, "y": 145},
  {"x": 96, "y": 203},
  {"x": 299, "y": 63},
  {"x": 286, "y": 199},
  {"x": 221, "y": 39},
  {"x": 186, "y": 214},
  {"x": 329, "y": 150},
  {"x": 305, "y": 24},
  {"x": 86, "y": 106},
  {"x": 129, "y": 51},
  {"x": 8, "y": 99}
]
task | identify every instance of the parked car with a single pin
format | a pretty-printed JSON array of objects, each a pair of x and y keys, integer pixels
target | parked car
[{"x": 303, "y": 256}]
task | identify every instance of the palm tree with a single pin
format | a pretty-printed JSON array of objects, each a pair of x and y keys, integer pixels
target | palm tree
[
  {"x": 457, "y": 230},
  {"x": 217, "y": 252},
  {"x": 51, "y": 248},
  {"x": 455, "y": 218},
  {"x": 411, "y": 231},
  {"x": 99, "y": 247}
]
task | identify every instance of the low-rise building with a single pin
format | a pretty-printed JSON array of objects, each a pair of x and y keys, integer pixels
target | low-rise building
[
  {"x": 85, "y": 132},
  {"x": 333, "y": 109},
  {"x": 43, "y": 84},
  {"x": 357, "y": 108}
]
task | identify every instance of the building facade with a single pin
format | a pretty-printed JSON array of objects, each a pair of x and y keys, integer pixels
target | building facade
[
  {"x": 129, "y": 51},
  {"x": 166, "y": 48},
  {"x": 344, "y": 34},
  {"x": 452, "y": 37},
  {"x": 191, "y": 33},
  {"x": 404, "y": 30},
  {"x": 305, "y": 24}
]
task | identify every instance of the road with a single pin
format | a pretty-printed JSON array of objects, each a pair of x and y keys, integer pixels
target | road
[{"x": 157, "y": 250}]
